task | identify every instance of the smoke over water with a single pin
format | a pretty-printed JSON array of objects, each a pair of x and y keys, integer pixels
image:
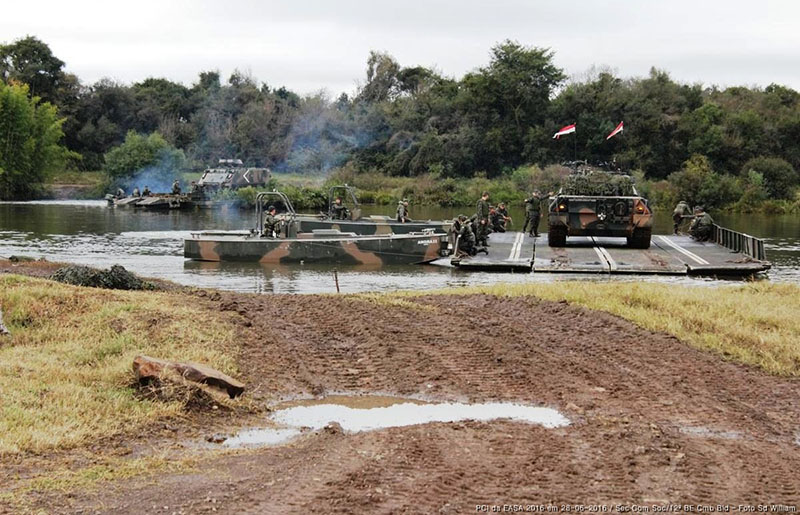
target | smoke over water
[{"x": 158, "y": 178}]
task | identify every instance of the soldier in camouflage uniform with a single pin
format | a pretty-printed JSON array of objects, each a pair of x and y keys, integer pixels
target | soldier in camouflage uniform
[
  {"x": 146, "y": 191},
  {"x": 680, "y": 211},
  {"x": 136, "y": 192},
  {"x": 533, "y": 213},
  {"x": 702, "y": 225},
  {"x": 496, "y": 220},
  {"x": 271, "y": 223},
  {"x": 482, "y": 214},
  {"x": 467, "y": 242},
  {"x": 338, "y": 210},
  {"x": 402, "y": 211},
  {"x": 176, "y": 187},
  {"x": 503, "y": 210}
]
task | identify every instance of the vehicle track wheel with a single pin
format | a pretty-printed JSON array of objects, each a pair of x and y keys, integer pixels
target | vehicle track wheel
[
  {"x": 640, "y": 238},
  {"x": 557, "y": 236}
]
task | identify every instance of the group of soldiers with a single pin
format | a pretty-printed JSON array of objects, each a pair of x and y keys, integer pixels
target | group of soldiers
[
  {"x": 473, "y": 232},
  {"x": 702, "y": 224},
  {"x": 176, "y": 190}
]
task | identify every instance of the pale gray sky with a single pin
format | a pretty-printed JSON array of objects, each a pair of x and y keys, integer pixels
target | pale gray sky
[{"x": 312, "y": 45}]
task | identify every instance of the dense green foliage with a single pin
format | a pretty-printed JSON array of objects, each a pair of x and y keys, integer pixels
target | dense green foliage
[
  {"x": 30, "y": 132},
  {"x": 144, "y": 158},
  {"x": 717, "y": 146}
]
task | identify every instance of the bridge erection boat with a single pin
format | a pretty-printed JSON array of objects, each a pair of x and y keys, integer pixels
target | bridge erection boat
[
  {"x": 331, "y": 246},
  {"x": 347, "y": 218}
]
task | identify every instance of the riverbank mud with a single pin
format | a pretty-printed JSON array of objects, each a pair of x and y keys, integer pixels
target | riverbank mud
[{"x": 632, "y": 398}]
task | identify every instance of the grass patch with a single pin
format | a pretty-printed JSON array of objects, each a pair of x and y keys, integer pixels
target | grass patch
[
  {"x": 755, "y": 324},
  {"x": 63, "y": 480},
  {"x": 65, "y": 371},
  {"x": 113, "y": 469}
]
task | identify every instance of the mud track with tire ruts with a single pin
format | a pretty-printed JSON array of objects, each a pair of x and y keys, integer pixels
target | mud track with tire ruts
[{"x": 653, "y": 421}]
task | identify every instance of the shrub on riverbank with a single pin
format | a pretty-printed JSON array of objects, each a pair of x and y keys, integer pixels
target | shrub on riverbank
[
  {"x": 30, "y": 139},
  {"x": 144, "y": 160}
]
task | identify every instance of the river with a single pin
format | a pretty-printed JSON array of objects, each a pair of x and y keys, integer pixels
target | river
[{"x": 151, "y": 244}]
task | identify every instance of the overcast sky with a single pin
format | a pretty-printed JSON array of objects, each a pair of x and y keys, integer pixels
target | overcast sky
[{"x": 313, "y": 45}]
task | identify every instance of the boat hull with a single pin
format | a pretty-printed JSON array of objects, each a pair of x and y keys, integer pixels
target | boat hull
[
  {"x": 369, "y": 226},
  {"x": 355, "y": 250}
]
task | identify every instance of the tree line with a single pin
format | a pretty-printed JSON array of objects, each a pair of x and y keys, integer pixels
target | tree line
[{"x": 414, "y": 121}]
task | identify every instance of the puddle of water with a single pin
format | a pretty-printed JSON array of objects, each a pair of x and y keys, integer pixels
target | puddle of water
[
  {"x": 409, "y": 414},
  {"x": 258, "y": 437},
  {"x": 363, "y": 402},
  {"x": 357, "y": 414},
  {"x": 711, "y": 433}
]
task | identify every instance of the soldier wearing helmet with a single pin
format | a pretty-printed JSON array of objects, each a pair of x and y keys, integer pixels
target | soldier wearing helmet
[
  {"x": 271, "y": 223},
  {"x": 482, "y": 212},
  {"x": 402, "y": 211},
  {"x": 533, "y": 213},
  {"x": 467, "y": 241},
  {"x": 681, "y": 210},
  {"x": 702, "y": 225}
]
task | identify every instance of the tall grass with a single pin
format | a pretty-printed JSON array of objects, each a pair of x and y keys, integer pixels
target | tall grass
[{"x": 65, "y": 373}]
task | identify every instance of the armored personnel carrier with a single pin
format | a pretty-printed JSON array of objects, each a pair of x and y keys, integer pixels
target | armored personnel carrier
[
  {"x": 595, "y": 202},
  {"x": 229, "y": 174}
]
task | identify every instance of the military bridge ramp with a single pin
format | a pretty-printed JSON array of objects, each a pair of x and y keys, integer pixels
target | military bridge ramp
[{"x": 728, "y": 253}]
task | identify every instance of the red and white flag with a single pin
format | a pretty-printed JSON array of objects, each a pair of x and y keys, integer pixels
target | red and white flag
[
  {"x": 569, "y": 129},
  {"x": 615, "y": 131}
]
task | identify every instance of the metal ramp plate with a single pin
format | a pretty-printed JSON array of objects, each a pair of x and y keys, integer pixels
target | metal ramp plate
[
  {"x": 580, "y": 255},
  {"x": 508, "y": 251},
  {"x": 672, "y": 255}
]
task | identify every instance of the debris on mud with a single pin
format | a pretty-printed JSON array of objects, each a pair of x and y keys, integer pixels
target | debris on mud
[
  {"x": 216, "y": 438},
  {"x": 333, "y": 428},
  {"x": 148, "y": 369},
  {"x": 115, "y": 278}
]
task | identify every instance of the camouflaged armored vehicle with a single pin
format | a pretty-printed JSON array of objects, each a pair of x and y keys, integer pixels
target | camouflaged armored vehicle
[
  {"x": 594, "y": 202},
  {"x": 229, "y": 174},
  {"x": 330, "y": 246}
]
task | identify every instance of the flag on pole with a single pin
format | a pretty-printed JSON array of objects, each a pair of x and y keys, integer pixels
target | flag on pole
[
  {"x": 615, "y": 131},
  {"x": 569, "y": 129}
]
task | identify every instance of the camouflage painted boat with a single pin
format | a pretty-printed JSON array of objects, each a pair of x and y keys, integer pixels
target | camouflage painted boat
[
  {"x": 288, "y": 245},
  {"x": 347, "y": 218},
  {"x": 371, "y": 225},
  {"x": 317, "y": 247}
]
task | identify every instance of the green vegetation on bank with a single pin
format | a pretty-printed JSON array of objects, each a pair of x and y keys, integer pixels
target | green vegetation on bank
[
  {"x": 30, "y": 132},
  {"x": 696, "y": 183},
  {"x": 410, "y": 131}
]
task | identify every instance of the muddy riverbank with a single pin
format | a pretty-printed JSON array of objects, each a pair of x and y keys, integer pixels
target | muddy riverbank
[{"x": 652, "y": 420}]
